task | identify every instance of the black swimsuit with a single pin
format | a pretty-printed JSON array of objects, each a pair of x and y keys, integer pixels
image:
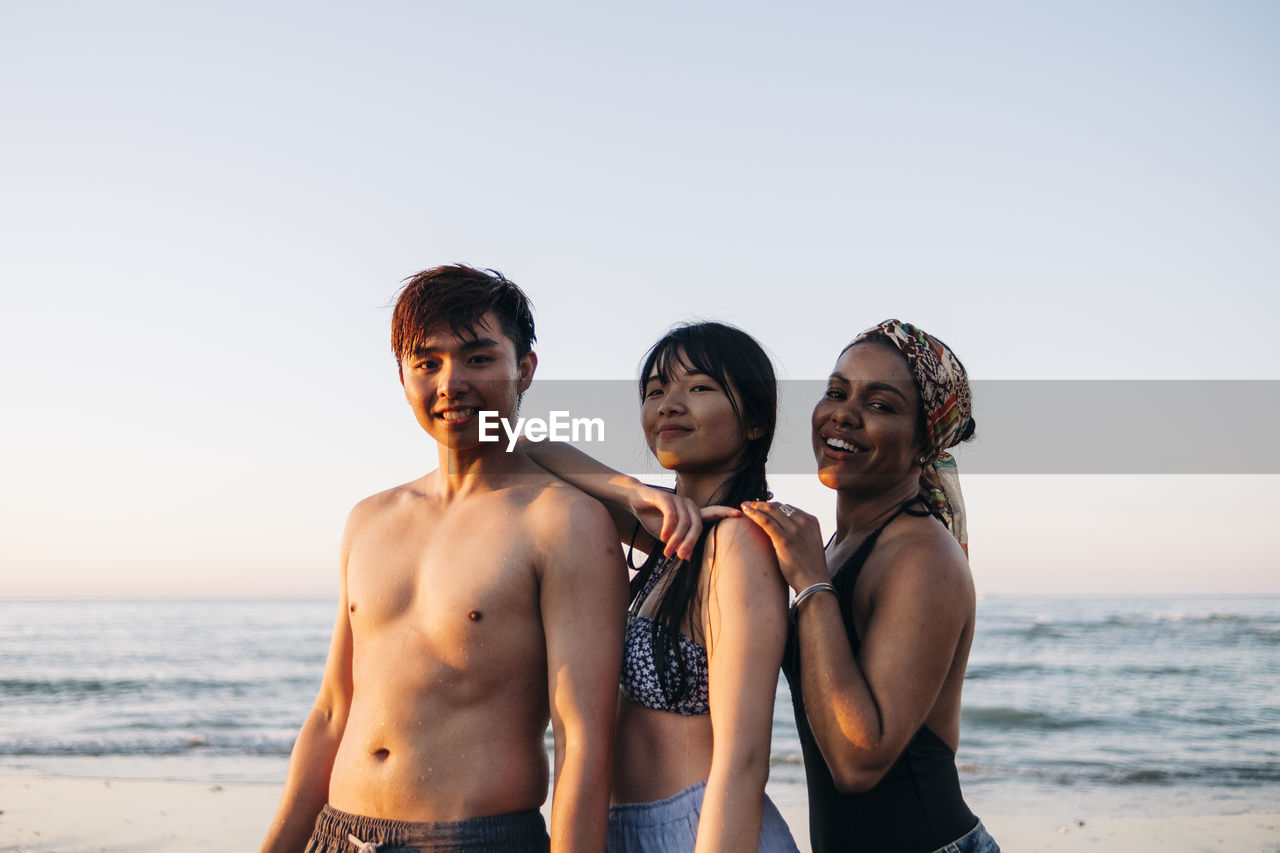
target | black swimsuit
[{"x": 917, "y": 807}]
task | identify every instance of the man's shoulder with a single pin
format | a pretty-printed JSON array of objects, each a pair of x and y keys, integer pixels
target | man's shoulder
[
  {"x": 558, "y": 503},
  {"x": 569, "y": 529},
  {"x": 395, "y": 499}
]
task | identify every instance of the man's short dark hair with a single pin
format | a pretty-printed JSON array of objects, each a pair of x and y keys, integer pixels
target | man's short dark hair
[{"x": 457, "y": 297}]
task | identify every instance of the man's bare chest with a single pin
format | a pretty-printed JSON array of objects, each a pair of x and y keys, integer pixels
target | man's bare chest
[{"x": 446, "y": 580}]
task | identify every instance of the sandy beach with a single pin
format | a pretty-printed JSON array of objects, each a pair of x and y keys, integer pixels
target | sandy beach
[{"x": 79, "y": 815}]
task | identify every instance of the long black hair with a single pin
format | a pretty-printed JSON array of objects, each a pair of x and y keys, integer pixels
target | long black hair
[{"x": 742, "y": 368}]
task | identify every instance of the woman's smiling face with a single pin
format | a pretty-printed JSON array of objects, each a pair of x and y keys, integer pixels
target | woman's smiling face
[
  {"x": 866, "y": 427},
  {"x": 690, "y": 422}
]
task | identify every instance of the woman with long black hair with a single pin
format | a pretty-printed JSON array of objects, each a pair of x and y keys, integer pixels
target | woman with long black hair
[{"x": 705, "y": 634}]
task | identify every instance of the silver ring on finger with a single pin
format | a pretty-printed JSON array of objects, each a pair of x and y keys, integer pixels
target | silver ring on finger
[{"x": 786, "y": 509}]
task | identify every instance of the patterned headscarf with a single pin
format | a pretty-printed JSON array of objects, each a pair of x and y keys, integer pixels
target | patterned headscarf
[{"x": 948, "y": 413}]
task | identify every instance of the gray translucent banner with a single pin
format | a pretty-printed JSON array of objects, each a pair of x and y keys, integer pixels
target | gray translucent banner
[{"x": 1023, "y": 426}]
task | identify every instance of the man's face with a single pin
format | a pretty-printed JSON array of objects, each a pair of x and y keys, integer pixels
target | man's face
[{"x": 449, "y": 380}]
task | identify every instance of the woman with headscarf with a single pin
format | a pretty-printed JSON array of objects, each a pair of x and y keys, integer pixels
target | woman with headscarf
[{"x": 883, "y": 616}]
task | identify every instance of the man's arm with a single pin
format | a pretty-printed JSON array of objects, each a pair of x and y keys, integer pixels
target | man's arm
[
  {"x": 665, "y": 518},
  {"x": 583, "y": 601},
  {"x": 306, "y": 788}
]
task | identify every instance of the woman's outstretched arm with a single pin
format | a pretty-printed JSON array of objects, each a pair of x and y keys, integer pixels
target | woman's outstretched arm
[{"x": 664, "y": 516}]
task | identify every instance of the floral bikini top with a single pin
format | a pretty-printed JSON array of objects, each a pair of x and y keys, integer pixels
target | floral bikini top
[{"x": 640, "y": 683}]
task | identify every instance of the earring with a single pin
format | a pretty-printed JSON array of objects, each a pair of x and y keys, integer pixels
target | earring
[{"x": 923, "y": 459}]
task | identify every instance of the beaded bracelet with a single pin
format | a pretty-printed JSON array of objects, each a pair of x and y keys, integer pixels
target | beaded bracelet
[{"x": 810, "y": 591}]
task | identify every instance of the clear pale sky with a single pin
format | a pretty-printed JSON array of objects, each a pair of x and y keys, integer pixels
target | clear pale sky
[{"x": 207, "y": 208}]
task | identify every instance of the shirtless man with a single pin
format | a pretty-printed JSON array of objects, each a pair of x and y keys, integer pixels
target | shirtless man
[{"x": 476, "y": 604}]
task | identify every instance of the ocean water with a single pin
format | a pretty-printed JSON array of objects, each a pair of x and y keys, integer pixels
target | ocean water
[
  {"x": 1095, "y": 705},
  {"x": 1124, "y": 705}
]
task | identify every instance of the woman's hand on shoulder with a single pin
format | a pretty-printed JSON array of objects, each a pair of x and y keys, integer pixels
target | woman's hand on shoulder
[
  {"x": 671, "y": 519},
  {"x": 797, "y": 540},
  {"x": 740, "y": 546}
]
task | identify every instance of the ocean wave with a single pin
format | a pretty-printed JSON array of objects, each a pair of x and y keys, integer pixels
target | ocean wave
[
  {"x": 1100, "y": 774},
  {"x": 1157, "y": 669},
  {"x": 1186, "y": 775},
  {"x": 177, "y": 744},
  {"x": 1239, "y": 634},
  {"x": 1022, "y": 625},
  {"x": 1029, "y": 630},
  {"x": 1212, "y": 616},
  {"x": 983, "y": 671},
  {"x": 1015, "y": 718},
  {"x": 1023, "y": 622},
  {"x": 102, "y": 687}
]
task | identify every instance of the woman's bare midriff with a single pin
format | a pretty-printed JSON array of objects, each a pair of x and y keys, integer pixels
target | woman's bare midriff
[{"x": 658, "y": 753}]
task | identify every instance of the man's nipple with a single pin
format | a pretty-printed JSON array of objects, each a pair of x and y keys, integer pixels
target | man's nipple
[{"x": 475, "y": 615}]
